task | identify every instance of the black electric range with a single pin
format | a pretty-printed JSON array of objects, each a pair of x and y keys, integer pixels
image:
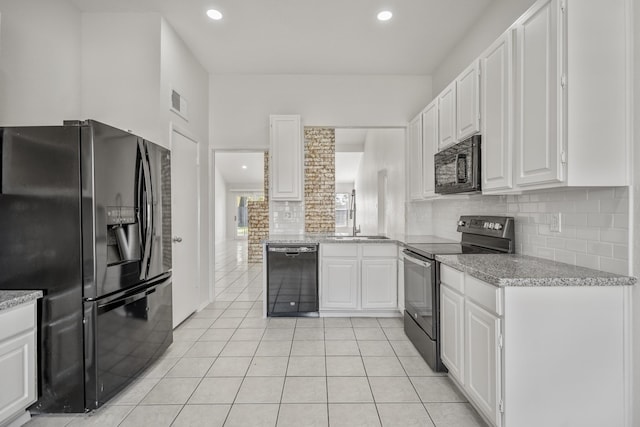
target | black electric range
[{"x": 480, "y": 235}]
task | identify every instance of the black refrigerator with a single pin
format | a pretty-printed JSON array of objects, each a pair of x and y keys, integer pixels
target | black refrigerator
[{"x": 85, "y": 216}]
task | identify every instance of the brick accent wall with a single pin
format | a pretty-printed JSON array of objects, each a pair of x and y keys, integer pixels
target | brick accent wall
[
  {"x": 258, "y": 213},
  {"x": 319, "y": 180}
]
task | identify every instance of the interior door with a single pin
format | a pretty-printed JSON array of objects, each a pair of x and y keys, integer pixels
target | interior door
[{"x": 184, "y": 208}]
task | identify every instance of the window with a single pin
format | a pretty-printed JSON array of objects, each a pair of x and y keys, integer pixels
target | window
[
  {"x": 242, "y": 218},
  {"x": 342, "y": 209}
]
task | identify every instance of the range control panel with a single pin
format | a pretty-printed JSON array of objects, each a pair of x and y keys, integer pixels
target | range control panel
[{"x": 498, "y": 226}]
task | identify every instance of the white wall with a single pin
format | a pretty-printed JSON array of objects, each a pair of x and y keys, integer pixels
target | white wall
[
  {"x": 241, "y": 104},
  {"x": 121, "y": 72},
  {"x": 39, "y": 62},
  {"x": 220, "y": 208},
  {"x": 383, "y": 149},
  {"x": 180, "y": 70},
  {"x": 497, "y": 17}
]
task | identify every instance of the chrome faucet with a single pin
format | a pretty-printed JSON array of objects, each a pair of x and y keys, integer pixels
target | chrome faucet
[{"x": 352, "y": 213}]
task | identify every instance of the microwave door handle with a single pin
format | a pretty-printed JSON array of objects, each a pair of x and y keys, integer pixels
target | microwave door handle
[
  {"x": 455, "y": 173},
  {"x": 458, "y": 157}
]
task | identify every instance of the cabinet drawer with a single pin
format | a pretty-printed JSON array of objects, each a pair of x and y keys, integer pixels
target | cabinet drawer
[
  {"x": 452, "y": 278},
  {"x": 384, "y": 250},
  {"x": 484, "y": 294},
  {"x": 17, "y": 319},
  {"x": 340, "y": 249}
]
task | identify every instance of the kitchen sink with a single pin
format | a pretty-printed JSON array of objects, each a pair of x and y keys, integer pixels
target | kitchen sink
[{"x": 359, "y": 238}]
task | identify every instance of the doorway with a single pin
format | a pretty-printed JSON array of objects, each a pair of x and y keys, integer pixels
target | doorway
[
  {"x": 239, "y": 215},
  {"x": 186, "y": 225},
  {"x": 239, "y": 179}
]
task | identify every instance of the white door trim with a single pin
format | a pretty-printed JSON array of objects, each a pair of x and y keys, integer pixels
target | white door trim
[
  {"x": 212, "y": 222},
  {"x": 188, "y": 135}
]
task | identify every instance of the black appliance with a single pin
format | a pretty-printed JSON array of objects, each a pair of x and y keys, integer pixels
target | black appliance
[
  {"x": 292, "y": 280},
  {"x": 457, "y": 168},
  {"x": 85, "y": 216},
  {"x": 480, "y": 235}
]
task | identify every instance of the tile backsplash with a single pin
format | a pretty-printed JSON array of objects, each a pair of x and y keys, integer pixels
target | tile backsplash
[
  {"x": 287, "y": 217},
  {"x": 594, "y": 225}
]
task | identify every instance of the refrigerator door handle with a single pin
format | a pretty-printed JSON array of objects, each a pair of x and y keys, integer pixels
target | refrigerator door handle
[
  {"x": 146, "y": 215},
  {"x": 112, "y": 305}
]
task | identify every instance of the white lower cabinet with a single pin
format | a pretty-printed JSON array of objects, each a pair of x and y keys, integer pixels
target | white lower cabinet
[
  {"x": 379, "y": 283},
  {"x": 17, "y": 360},
  {"x": 482, "y": 367},
  {"x": 340, "y": 283},
  {"x": 452, "y": 332},
  {"x": 534, "y": 356},
  {"x": 358, "y": 278}
]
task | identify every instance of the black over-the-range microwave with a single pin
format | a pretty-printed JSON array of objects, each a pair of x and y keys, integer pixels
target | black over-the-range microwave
[{"x": 457, "y": 168}]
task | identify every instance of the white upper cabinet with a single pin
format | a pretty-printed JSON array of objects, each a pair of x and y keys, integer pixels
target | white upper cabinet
[
  {"x": 496, "y": 65},
  {"x": 570, "y": 79},
  {"x": 538, "y": 145},
  {"x": 286, "y": 152},
  {"x": 447, "y": 116},
  {"x": 414, "y": 160},
  {"x": 549, "y": 98},
  {"x": 468, "y": 102},
  {"x": 429, "y": 148}
]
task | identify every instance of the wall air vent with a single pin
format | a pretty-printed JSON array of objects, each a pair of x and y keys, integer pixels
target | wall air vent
[{"x": 179, "y": 105}]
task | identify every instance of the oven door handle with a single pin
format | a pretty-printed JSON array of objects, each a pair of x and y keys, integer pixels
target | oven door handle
[{"x": 411, "y": 258}]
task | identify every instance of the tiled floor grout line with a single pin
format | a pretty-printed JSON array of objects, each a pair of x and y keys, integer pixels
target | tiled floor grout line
[{"x": 284, "y": 382}]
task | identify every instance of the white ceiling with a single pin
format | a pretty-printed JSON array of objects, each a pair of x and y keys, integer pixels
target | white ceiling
[
  {"x": 312, "y": 36},
  {"x": 350, "y": 139},
  {"x": 230, "y": 167}
]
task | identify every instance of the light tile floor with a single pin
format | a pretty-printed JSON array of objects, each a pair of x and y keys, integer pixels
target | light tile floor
[{"x": 230, "y": 367}]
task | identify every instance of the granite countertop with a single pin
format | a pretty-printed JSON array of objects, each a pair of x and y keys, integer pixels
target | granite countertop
[
  {"x": 323, "y": 238},
  {"x": 10, "y": 299},
  {"x": 401, "y": 239},
  {"x": 523, "y": 270}
]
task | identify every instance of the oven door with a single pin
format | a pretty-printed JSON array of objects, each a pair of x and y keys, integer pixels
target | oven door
[{"x": 420, "y": 291}]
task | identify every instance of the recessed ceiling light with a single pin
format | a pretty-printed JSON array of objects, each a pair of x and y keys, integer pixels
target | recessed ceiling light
[
  {"x": 244, "y": 166},
  {"x": 385, "y": 15},
  {"x": 216, "y": 15}
]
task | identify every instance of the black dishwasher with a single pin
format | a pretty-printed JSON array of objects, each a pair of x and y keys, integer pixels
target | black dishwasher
[{"x": 292, "y": 280}]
